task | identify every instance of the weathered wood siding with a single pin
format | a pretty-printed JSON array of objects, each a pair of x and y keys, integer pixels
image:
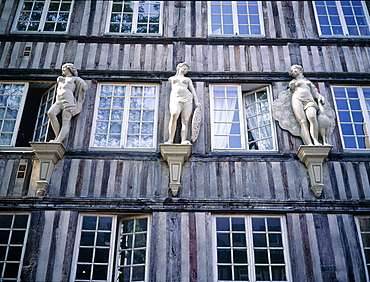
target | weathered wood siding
[
  {"x": 321, "y": 247},
  {"x": 202, "y": 179},
  {"x": 245, "y": 57},
  {"x": 282, "y": 19}
]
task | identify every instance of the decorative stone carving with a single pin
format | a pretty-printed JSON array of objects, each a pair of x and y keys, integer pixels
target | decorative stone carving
[
  {"x": 302, "y": 110},
  {"x": 69, "y": 100},
  {"x": 47, "y": 154},
  {"x": 181, "y": 102},
  {"x": 313, "y": 157},
  {"x": 175, "y": 155}
]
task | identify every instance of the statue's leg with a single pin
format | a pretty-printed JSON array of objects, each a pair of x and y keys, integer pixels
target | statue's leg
[
  {"x": 314, "y": 126},
  {"x": 185, "y": 117},
  {"x": 175, "y": 110},
  {"x": 303, "y": 122},
  {"x": 52, "y": 114},
  {"x": 66, "y": 123}
]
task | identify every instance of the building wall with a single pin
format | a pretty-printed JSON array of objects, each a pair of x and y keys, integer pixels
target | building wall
[{"x": 322, "y": 236}]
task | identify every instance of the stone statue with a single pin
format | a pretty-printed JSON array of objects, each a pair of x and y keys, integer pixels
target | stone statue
[
  {"x": 181, "y": 102},
  {"x": 301, "y": 111},
  {"x": 70, "y": 96}
]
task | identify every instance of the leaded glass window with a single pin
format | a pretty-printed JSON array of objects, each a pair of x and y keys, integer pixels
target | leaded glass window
[
  {"x": 44, "y": 16},
  {"x": 342, "y": 18},
  {"x": 95, "y": 259},
  {"x": 125, "y": 116},
  {"x": 251, "y": 248},
  {"x": 135, "y": 17},
  {"x": 235, "y": 18},
  {"x": 42, "y": 123},
  {"x": 12, "y": 98},
  {"x": 241, "y": 118},
  {"x": 13, "y": 238},
  {"x": 364, "y": 232},
  {"x": 353, "y": 112}
]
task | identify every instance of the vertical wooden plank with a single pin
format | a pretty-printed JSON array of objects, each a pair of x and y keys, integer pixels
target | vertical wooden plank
[
  {"x": 201, "y": 247},
  {"x": 314, "y": 249},
  {"x": 213, "y": 180},
  {"x": 239, "y": 181},
  {"x": 105, "y": 178},
  {"x": 187, "y": 181},
  {"x": 91, "y": 57},
  {"x": 69, "y": 245},
  {"x": 286, "y": 57},
  {"x": 305, "y": 59},
  {"x": 42, "y": 265},
  {"x": 5, "y": 54},
  {"x": 338, "y": 254},
  {"x": 12, "y": 178},
  {"x": 173, "y": 250},
  {"x": 161, "y": 244},
  {"x": 185, "y": 247},
  {"x": 86, "y": 179},
  {"x": 6, "y": 177},
  {"x": 365, "y": 179},
  {"x": 71, "y": 187},
  {"x": 265, "y": 59},
  {"x": 115, "y": 54},
  {"x": 281, "y": 19},
  {"x": 339, "y": 180},
  {"x": 325, "y": 247},
  {"x": 359, "y": 58},
  {"x": 298, "y": 258},
  {"x": 17, "y": 50},
  {"x": 111, "y": 179},
  {"x": 103, "y": 59},
  {"x": 318, "y": 66},
  {"x": 354, "y": 248}
]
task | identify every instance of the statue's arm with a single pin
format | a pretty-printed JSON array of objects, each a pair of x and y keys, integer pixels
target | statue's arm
[
  {"x": 315, "y": 93},
  {"x": 81, "y": 88},
  {"x": 195, "y": 96}
]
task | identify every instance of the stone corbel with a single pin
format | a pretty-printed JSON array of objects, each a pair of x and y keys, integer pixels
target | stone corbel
[
  {"x": 313, "y": 157},
  {"x": 47, "y": 154},
  {"x": 175, "y": 155}
]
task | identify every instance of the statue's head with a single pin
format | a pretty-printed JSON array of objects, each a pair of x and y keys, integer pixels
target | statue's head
[
  {"x": 180, "y": 65},
  {"x": 71, "y": 67},
  {"x": 295, "y": 69}
]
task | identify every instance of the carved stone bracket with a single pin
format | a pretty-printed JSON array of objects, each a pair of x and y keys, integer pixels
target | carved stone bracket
[
  {"x": 175, "y": 155},
  {"x": 48, "y": 154},
  {"x": 313, "y": 157}
]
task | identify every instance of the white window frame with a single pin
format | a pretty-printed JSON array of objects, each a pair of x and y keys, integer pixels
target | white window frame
[
  {"x": 359, "y": 232},
  {"x": 42, "y": 114},
  {"x": 135, "y": 21},
  {"x": 235, "y": 21},
  {"x": 125, "y": 118},
  {"x": 42, "y": 20},
  {"x": 244, "y": 136},
  {"x": 23, "y": 245},
  {"x": 249, "y": 244},
  {"x": 20, "y": 111},
  {"x": 114, "y": 248},
  {"x": 364, "y": 113},
  {"x": 342, "y": 21}
]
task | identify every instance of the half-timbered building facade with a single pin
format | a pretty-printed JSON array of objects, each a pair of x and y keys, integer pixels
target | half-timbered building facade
[{"x": 245, "y": 210}]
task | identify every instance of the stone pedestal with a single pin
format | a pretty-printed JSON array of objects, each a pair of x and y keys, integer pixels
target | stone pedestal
[
  {"x": 313, "y": 157},
  {"x": 175, "y": 155},
  {"x": 47, "y": 154}
]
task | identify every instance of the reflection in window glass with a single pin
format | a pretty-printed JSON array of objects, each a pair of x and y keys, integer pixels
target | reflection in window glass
[
  {"x": 364, "y": 228},
  {"x": 135, "y": 17},
  {"x": 12, "y": 97},
  {"x": 126, "y": 116},
  {"x": 353, "y": 111},
  {"x": 241, "y": 119},
  {"x": 235, "y": 18},
  {"x": 250, "y": 248},
  {"x": 99, "y": 236},
  {"x": 342, "y": 18},
  {"x": 42, "y": 123},
  {"x": 13, "y": 237},
  {"x": 44, "y": 15}
]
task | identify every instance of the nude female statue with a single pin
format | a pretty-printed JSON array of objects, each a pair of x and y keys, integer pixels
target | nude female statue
[
  {"x": 305, "y": 99},
  {"x": 69, "y": 99},
  {"x": 181, "y": 102}
]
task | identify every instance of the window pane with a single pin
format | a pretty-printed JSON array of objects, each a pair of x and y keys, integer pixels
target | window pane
[
  {"x": 13, "y": 229},
  {"x": 11, "y": 98}
]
